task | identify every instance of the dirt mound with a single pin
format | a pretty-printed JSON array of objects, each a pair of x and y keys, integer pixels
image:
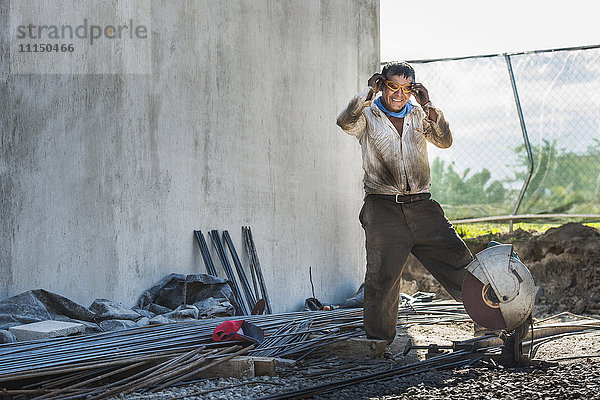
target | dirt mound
[{"x": 564, "y": 262}]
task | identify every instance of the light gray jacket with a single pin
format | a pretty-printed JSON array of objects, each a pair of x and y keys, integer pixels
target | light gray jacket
[{"x": 391, "y": 161}]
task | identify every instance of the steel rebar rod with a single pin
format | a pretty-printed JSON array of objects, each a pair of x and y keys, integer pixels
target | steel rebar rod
[
  {"x": 208, "y": 263},
  {"x": 156, "y": 375},
  {"x": 250, "y": 298},
  {"x": 179, "y": 327},
  {"x": 330, "y": 316},
  {"x": 449, "y": 360},
  {"x": 110, "y": 349},
  {"x": 33, "y": 372},
  {"x": 253, "y": 256},
  {"x": 254, "y": 277},
  {"x": 205, "y": 367},
  {"x": 95, "y": 379},
  {"x": 145, "y": 374},
  {"x": 62, "y": 380},
  {"x": 218, "y": 244},
  {"x": 164, "y": 371},
  {"x": 296, "y": 333}
]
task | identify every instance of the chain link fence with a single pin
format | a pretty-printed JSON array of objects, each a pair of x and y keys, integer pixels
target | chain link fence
[{"x": 484, "y": 172}]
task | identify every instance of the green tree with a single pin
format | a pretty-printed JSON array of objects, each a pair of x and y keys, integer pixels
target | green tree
[
  {"x": 454, "y": 188},
  {"x": 562, "y": 181}
]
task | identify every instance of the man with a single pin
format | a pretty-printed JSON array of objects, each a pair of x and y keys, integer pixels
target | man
[{"x": 398, "y": 215}]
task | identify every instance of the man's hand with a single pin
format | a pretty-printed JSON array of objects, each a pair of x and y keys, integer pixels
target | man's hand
[
  {"x": 422, "y": 96},
  {"x": 376, "y": 82},
  {"x": 420, "y": 93}
]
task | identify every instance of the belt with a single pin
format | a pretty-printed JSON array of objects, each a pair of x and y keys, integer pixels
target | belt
[{"x": 403, "y": 199}]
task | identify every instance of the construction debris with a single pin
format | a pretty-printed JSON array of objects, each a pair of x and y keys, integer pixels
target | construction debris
[
  {"x": 461, "y": 354},
  {"x": 45, "y": 329},
  {"x": 326, "y": 345},
  {"x": 176, "y": 297},
  {"x": 78, "y": 367},
  {"x": 148, "y": 359}
]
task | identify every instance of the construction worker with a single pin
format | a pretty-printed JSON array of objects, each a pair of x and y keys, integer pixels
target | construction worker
[{"x": 398, "y": 215}]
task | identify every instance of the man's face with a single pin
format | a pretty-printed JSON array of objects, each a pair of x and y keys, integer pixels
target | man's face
[{"x": 396, "y": 100}]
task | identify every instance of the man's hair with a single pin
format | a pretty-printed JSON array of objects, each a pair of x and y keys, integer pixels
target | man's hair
[{"x": 401, "y": 68}]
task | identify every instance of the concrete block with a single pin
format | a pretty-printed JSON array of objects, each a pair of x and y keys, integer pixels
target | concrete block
[
  {"x": 237, "y": 367},
  {"x": 45, "y": 330},
  {"x": 358, "y": 348},
  {"x": 264, "y": 366}
]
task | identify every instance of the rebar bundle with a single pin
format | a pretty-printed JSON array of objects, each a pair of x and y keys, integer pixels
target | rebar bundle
[{"x": 52, "y": 366}]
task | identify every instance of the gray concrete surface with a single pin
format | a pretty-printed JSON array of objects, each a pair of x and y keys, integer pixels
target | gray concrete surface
[
  {"x": 103, "y": 178},
  {"x": 46, "y": 330}
]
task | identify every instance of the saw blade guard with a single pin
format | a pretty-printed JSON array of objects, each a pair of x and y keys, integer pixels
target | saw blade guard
[{"x": 512, "y": 283}]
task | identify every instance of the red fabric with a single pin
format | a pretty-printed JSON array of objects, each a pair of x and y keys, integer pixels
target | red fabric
[
  {"x": 238, "y": 330},
  {"x": 228, "y": 330}
]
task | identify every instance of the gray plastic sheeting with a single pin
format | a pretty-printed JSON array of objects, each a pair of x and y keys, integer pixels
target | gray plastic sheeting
[{"x": 175, "y": 298}]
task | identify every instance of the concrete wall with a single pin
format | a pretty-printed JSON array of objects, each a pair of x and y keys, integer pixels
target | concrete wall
[{"x": 105, "y": 177}]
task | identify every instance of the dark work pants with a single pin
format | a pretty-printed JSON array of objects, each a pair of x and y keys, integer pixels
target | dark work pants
[{"x": 393, "y": 231}]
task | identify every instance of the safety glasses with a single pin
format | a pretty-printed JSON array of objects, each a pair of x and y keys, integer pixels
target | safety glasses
[{"x": 395, "y": 86}]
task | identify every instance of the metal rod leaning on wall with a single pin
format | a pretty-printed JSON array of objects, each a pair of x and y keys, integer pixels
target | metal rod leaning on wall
[
  {"x": 259, "y": 273},
  {"x": 525, "y": 138},
  {"x": 216, "y": 239},
  {"x": 210, "y": 267},
  {"x": 253, "y": 256},
  {"x": 254, "y": 280},
  {"x": 251, "y": 263},
  {"x": 240, "y": 270},
  {"x": 252, "y": 270}
]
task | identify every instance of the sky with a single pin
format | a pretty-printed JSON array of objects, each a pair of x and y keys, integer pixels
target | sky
[{"x": 412, "y": 30}]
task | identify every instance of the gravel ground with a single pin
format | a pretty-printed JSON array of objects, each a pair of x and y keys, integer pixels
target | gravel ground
[
  {"x": 565, "y": 263},
  {"x": 570, "y": 379}
]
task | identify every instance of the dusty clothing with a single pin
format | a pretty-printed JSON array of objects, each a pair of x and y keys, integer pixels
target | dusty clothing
[
  {"x": 395, "y": 226},
  {"x": 393, "y": 164}
]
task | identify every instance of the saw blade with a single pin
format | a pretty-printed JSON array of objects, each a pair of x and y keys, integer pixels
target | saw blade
[{"x": 481, "y": 303}]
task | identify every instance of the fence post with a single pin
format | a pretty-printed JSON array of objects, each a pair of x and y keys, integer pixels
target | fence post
[{"x": 525, "y": 139}]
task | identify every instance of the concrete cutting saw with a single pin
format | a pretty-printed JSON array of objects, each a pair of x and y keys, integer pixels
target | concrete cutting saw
[
  {"x": 498, "y": 290},
  {"x": 499, "y": 294}
]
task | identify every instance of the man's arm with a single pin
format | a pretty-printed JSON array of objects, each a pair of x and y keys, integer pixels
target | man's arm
[
  {"x": 436, "y": 131},
  {"x": 435, "y": 126},
  {"x": 352, "y": 119}
]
